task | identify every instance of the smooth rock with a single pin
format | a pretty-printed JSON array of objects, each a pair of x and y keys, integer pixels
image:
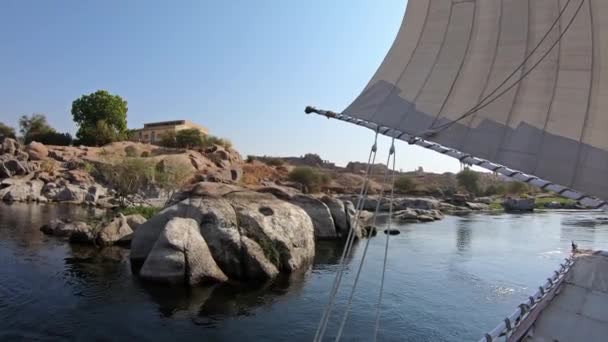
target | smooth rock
[
  {"x": 22, "y": 191},
  {"x": 37, "y": 151},
  {"x": 135, "y": 220},
  {"x": 282, "y": 230},
  {"x": 180, "y": 255},
  {"x": 322, "y": 220},
  {"x": 519, "y": 204},
  {"x": 117, "y": 231},
  {"x": 338, "y": 213}
]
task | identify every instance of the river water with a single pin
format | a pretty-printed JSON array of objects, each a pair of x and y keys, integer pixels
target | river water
[{"x": 450, "y": 280}]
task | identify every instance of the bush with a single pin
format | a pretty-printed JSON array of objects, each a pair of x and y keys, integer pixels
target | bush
[
  {"x": 274, "y": 162},
  {"x": 6, "y": 131},
  {"x": 495, "y": 189},
  {"x": 146, "y": 212},
  {"x": 469, "y": 180},
  {"x": 131, "y": 151},
  {"x": 405, "y": 184},
  {"x": 189, "y": 138},
  {"x": 210, "y": 140},
  {"x": 145, "y": 154},
  {"x": 517, "y": 188},
  {"x": 50, "y": 138},
  {"x": 311, "y": 179},
  {"x": 250, "y": 159},
  {"x": 129, "y": 176},
  {"x": 168, "y": 139}
]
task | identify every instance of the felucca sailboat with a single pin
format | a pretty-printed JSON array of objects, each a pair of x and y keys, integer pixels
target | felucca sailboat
[{"x": 518, "y": 87}]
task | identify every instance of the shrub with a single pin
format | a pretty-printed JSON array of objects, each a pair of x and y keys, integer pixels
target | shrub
[
  {"x": 146, "y": 212},
  {"x": 128, "y": 176},
  {"x": 131, "y": 151},
  {"x": 469, "y": 180},
  {"x": 310, "y": 178},
  {"x": 50, "y": 138},
  {"x": 517, "y": 188},
  {"x": 6, "y": 131},
  {"x": 145, "y": 154},
  {"x": 168, "y": 139},
  {"x": 210, "y": 140},
  {"x": 405, "y": 184},
  {"x": 274, "y": 162},
  {"x": 189, "y": 138},
  {"x": 495, "y": 189},
  {"x": 49, "y": 166},
  {"x": 250, "y": 159}
]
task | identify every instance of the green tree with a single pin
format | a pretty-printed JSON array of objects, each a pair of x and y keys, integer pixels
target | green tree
[
  {"x": 168, "y": 139},
  {"x": 189, "y": 138},
  {"x": 469, "y": 180},
  {"x": 6, "y": 131},
  {"x": 34, "y": 125},
  {"x": 405, "y": 184},
  {"x": 101, "y": 118}
]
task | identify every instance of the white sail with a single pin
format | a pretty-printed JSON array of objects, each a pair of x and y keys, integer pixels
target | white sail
[{"x": 549, "y": 119}]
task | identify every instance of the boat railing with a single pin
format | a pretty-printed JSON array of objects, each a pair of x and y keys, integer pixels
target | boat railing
[{"x": 544, "y": 294}]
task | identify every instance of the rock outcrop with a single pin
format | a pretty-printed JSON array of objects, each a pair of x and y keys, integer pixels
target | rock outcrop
[
  {"x": 180, "y": 255},
  {"x": 249, "y": 235},
  {"x": 66, "y": 171},
  {"x": 118, "y": 231}
]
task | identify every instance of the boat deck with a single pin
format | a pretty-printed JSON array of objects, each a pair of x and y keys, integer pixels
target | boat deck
[{"x": 580, "y": 311}]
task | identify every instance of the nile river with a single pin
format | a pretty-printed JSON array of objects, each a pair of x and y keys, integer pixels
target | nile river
[{"x": 450, "y": 280}]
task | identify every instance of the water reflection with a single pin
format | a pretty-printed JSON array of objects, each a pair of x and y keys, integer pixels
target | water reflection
[{"x": 463, "y": 236}]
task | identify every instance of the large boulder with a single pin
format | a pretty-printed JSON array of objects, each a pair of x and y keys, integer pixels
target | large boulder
[
  {"x": 180, "y": 255},
  {"x": 250, "y": 235},
  {"x": 338, "y": 213},
  {"x": 323, "y": 222},
  {"x": 283, "y": 231},
  {"x": 117, "y": 231},
  {"x": 37, "y": 151},
  {"x": 13, "y": 167},
  {"x": 22, "y": 191},
  {"x": 62, "y": 228},
  {"x": 71, "y": 193},
  {"x": 9, "y": 146}
]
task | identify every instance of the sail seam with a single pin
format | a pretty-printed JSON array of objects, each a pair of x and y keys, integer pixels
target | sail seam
[
  {"x": 577, "y": 165},
  {"x": 550, "y": 110},
  {"x": 392, "y": 92},
  {"x": 500, "y": 148},
  {"x": 464, "y": 58},
  {"x": 405, "y": 115},
  {"x": 487, "y": 83}
]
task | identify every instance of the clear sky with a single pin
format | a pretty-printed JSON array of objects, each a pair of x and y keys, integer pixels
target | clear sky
[{"x": 245, "y": 69}]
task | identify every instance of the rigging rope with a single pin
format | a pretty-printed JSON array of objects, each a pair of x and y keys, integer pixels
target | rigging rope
[
  {"x": 388, "y": 231},
  {"x": 348, "y": 244},
  {"x": 354, "y": 287},
  {"x": 432, "y": 131}
]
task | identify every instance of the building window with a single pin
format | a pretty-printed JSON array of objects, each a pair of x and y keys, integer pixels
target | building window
[{"x": 145, "y": 136}]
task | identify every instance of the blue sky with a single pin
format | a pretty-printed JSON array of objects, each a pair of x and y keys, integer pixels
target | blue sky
[{"x": 245, "y": 69}]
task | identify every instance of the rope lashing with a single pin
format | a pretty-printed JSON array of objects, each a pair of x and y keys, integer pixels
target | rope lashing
[
  {"x": 358, "y": 274},
  {"x": 319, "y": 334},
  {"x": 388, "y": 228}
]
